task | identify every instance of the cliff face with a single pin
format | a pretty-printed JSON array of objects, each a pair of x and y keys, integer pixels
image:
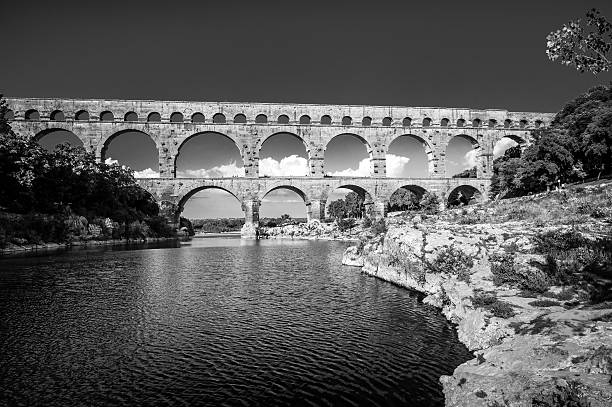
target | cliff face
[{"x": 547, "y": 347}]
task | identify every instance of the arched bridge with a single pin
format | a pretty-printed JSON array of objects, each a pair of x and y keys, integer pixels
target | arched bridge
[{"x": 171, "y": 124}]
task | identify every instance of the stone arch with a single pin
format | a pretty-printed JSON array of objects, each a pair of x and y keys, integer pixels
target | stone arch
[
  {"x": 426, "y": 122},
  {"x": 183, "y": 198},
  {"x": 426, "y": 147},
  {"x": 507, "y": 123},
  {"x": 108, "y": 140},
  {"x": 41, "y": 134},
  {"x": 407, "y": 122},
  {"x": 197, "y": 117},
  {"x": 267, "y": 136},
  {"x": 283, "y": 119},
  {"x": 514, "y": 137},
  {"x": 347, "y": 120},
  {"x": 305, "y": 119},
  {"x": 261, "y": 118},
  {"x": 476, "y": 122},
  {"x": 387, "y": 121},
  {"x": 31, "y": 115},
  {"x": 107, "y": 116},
  {"x": 463, "y": 195},
  {"x": 240, "y": 118},
  {"x": 363, "y": 140},
  {"x": 293, "y": 188},
  {"x": 492, "y": 123},
  {"x": 81, "y": 115},
  {"x": 176, "y": 117},
  {"x": 9, "y": 115},
  {"x": 523, "y": 123},
  {"x": 417, "y": 190},
  {"x": 366, "y": 121},
  {"x": 475, "y": 149},
  {"x": 444, "y": 122},
  {"x": 200, "y": 133},
  {"x": 219, "y": 118},
  {"x": 130, "y": 117},
  {"x": 154, "y": 117},
  {"x": 326, "y": 119},
  {"x": 460, "y": 122},
  {"x": 57, "y": 116},
  {"x": 363, "y": 192}
]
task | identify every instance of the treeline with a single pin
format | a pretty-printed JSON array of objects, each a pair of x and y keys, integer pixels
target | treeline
[
  {"x": 64, "y": 194},
  {"x": 576, "y": 146},
  {"x": 217, "y": 225}
]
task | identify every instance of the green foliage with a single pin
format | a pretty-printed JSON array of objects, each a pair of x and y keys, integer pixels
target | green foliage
[
  {"x": 403, "y": 200},
  {"x": 379, "y": 226},
  {"x": 490, "y": 302},
  {"x": 577, "y": 145},
  {"x": 354, "y": 205},
  {"x": 469, "y": 173},
  {"x": 430, "y": 203},
  {"x": 544, "y": 303},
  {"x": 505, "y": 272},
  {"x": 566, "y": 393},
  {"x": 586, "y": 47},
  {"x": 345, "y": 224},
  {"x": 227, "y": 225},
  {"x": 452, "y": 261},
  {"x": 337, "y": 209},
  {"x": 186, "y": 223}
]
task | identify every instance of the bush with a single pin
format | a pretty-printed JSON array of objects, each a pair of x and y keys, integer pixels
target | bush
[
  {"x": 430, "y": 203},
  {"x": 544, "y": 303},
  {"x": 505, "y": 272},
  {"x": 379, "y": 226},
  {"x": 346, "y": 224},
  {"x": 490, "y": 303},
  {"x": 452, "y": 261}
]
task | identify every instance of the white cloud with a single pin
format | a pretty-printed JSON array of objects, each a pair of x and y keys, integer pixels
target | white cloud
[
  {"x": 110, "y": 161},
  {"x": 226, "y": 170},
  {"x": 502, "y": 145},
  {"x": 147, "y": 173},
  {"x": 470, "y": 158},
  {"x": 396, "y": 164},
  {"x": 362, "y": 171},
  {"x": 293, "y": 165}
]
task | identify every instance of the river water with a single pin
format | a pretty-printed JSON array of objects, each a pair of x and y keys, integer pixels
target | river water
[{"x": 219, "y": 321}]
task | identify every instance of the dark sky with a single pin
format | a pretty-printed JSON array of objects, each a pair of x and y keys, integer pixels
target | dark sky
[{"x": 482, "y": 54}]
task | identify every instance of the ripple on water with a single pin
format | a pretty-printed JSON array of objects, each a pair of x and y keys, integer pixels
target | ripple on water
[{"x": 217, "y": 322}]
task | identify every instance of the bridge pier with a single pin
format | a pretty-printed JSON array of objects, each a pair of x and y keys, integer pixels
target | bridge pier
[
  {"x": 379, "y": 209},
  {"x": 250, "y": 230},
  {"x": 316, "y": 209}
]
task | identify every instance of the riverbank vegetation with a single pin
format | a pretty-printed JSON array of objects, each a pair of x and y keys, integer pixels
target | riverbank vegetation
[{"x": 65, "y": 195}]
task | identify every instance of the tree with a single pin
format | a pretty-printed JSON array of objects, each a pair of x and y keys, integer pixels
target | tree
[
  {"x": 354, "y": 205},
  {"x": 430, "y": 203},
  {"x": 586, "y": 47},
  {"x": 337, "y": 209},
  {"x": 403, "y": 200},
  {"x": 469, "y": 173}
]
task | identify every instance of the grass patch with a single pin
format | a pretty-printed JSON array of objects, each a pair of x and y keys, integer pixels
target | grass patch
[
  {"x": 490, "y": 303},
  {"x": 544, "y": 303}
]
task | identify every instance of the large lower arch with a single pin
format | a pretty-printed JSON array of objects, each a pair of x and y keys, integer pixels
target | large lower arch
[
  {"x": 50, "y": 138},
  {"x": 463, "y": 195},
  {"x": 283, "y": 154},
  {"x": 340, "y": 153},
  {"x": 135, "y": 149},
  {"x": 506, "y": 142},
  {"x": 208, "y": 154},
  {"x": 286, "y": 200},
  {"x": 409, "y": 156},
  {"x": 180, "y": 207},
  {"x": 366, "y": 206},
  {"x": 406, "y": 197},
  {"x": 462, "y": 155}
]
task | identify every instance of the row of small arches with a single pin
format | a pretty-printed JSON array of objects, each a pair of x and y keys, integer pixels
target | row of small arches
[{"x": 177, "y": 117}]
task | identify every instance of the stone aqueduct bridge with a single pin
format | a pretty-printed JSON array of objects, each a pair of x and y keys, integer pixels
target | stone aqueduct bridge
[{"x": 171, "y": 124}]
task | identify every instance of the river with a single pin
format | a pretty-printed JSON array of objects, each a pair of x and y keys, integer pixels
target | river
[{"x": 217, "y": 321}]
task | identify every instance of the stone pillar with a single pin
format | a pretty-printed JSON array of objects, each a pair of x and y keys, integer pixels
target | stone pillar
[
  {"x": 250, "y": 230},
  {"x": 379, "y": 209},
  {"x": 250, "y": 160},
  {"x": 316, "y": 209},
  {"x": 378, "y": 161},
  {"x": 437, "y": 163},
  {"x": 484, "y": 167},
  {"x": 316, "y": 161},
  {"x": 167, "y": 168}
]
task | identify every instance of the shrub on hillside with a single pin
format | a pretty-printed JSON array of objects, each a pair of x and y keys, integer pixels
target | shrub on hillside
[
  {"x": 430, "y": 203},
  {"x": 490, "y": 302},
  {"x": 506, "y": 272},
  {"x": 452, "y": 261},
  {"x": 346, "y": 224},
  {"x": 379, "y": 226}
]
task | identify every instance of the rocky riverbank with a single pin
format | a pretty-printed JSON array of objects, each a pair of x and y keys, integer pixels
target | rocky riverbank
[
  {"x": 314, "y": 230},
  {"x": 532, "y": 301}
]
